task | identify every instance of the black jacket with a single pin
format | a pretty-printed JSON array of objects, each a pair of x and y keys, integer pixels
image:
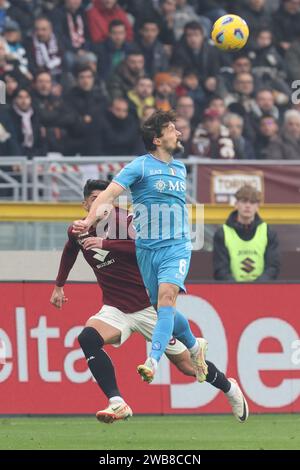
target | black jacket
[
  {"x": 221, "y": 259},
  {"x": 286, "y": 27},
  {"x": 206, "y": 62},
  {"x": 121, "y": 136},
  {"x": 56, "y": 119},
  {"x": 38, "y": 148}
]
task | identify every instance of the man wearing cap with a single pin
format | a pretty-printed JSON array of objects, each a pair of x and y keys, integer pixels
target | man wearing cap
[{"x": 245, "y": 247}]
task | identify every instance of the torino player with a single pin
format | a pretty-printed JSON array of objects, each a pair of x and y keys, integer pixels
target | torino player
[{"x": 126, "y": 309}]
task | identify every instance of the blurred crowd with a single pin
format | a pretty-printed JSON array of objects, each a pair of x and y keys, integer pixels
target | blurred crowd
[{"x": 80, "y": 77}]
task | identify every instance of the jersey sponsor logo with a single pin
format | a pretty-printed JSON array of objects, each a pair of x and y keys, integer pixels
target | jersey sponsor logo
[
  {"x": 248, "y": 265},
  {"x": 178, "y": 186},
  {"x": 100, "y": 255},
  {"x": 107, "y": 263}
]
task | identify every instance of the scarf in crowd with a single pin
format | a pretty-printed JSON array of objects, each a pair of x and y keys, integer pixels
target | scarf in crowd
[
  {"x": 26, "y": 125},
  {"x": 47, "y": 54},
  {"x": 76, "y": 30}
]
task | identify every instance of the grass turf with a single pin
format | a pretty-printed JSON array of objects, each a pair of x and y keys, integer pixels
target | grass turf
[{"x": 152, "y": 432}]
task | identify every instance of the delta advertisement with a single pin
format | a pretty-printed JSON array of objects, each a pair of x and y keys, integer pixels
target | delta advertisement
[{"x": 253, "y": 334}]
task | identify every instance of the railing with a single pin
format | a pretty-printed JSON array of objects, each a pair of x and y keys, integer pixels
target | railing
[
  {"x": 62, "y": 178},
  {"x": 14, "y": 178},
  {"x": 55, "y": 178}
]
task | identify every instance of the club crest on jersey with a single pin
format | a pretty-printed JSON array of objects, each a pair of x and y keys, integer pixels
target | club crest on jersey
[
  {"x": 172, "y": 171},
  {"x": 160, "y": 186}
]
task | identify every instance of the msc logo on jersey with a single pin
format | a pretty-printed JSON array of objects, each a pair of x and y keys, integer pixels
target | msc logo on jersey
[{"x": 178, "y": 186}]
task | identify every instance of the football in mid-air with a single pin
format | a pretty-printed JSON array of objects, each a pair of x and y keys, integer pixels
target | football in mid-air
[{"x": 230, "y": 33}]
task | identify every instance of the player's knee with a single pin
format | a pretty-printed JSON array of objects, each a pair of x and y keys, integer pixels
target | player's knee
[{"x": 89, "y": 338}]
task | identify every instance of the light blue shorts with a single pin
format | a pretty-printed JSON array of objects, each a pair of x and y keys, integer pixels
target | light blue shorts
[{"x": 169, "y": 264}]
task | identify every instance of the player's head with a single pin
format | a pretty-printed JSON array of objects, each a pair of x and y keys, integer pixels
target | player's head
[
  {"x": 159, "y": 132},
  {"x": 91, "y": 190},
  {"x": 247, "y": 201}
]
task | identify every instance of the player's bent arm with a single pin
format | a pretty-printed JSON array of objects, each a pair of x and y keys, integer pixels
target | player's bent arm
[{"x": 103, "y": 203}]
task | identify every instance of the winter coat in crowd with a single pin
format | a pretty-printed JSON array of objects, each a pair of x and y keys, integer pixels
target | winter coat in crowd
[{"x": 99, "y": 19}]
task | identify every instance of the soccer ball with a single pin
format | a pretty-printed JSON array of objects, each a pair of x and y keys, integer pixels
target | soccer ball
[{"x": 230, "y": 33}]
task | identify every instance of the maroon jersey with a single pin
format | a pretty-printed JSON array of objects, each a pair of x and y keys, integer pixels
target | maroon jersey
[{"x": 115, "y": 266}]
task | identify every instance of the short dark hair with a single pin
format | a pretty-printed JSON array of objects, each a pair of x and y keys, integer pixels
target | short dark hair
[
  {"x": 42, "y": 72},
  {"x": 154, "y": 126},
  {"x": 150, "y": 20},
  {"x": 115, "y": 23},
  {"x": 194, "y": 25},
  {"x": 94, "y": 185},
  {"x": 83, "y": 68}
]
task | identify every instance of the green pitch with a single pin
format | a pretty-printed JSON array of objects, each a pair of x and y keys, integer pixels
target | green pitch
[{"x": 152, "y": 432}]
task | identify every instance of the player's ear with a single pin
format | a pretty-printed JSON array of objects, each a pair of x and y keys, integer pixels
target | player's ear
[
  {"x": 85, "y": 205},
  {"x": 156, "y": 141}
]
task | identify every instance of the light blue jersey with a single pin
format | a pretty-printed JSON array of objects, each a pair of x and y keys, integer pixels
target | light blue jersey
[{"x": 159, "y": 194}]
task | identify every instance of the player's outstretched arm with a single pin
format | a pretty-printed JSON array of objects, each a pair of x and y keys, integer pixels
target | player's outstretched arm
[
  {"x": 100, "y": 207},
  {"x": 67, "y": 261}
]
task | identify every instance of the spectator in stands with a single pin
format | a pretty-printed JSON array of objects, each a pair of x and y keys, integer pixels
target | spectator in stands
[
  {"x": 100, "y": 15},
  {"x": 121, "y": 134},
  {"x": 291, "y": 135},
  {"x": 55, "y": 116},
  {"x": 22, "y": 12},
  {"x": 142, "y": 95},
  {"x": 212, "y": 9},
  {"x": 185, "y": 108},
  {"x": 26, "y": 124},
  {"x": 156, "y": 59},
  {"x": 184, "y": 127},
  {"x": 70, "y": 26},
  {"x": 265, "y": 57},
  {"x": 166, "y": 10},
  {"x": 211, "y": 139},
  {"x": 292, "y": 60},
  {"x": 15, "y": 48},
  {"x": 43, "y": 49},
  {"x": 268, "y": 145},
  {"x": 7, "y": 63},
  {"x": 88, "y": 103},
  {"x": 286, "y": 23},
  {"x": 192, "y": 87},
  {"x": 126, "y": 74},
  {"x": 185, "y": 13},
  {"x": 147, "y": 112},
  {"x": 263, "y": 77},
  {"x": 245, "y": 247},
  {"x": 263, "y": 105},
  {"x": 241, "y": 63},
  {"x": 217, "y": 103},
  {"x": 113, "y": 50},
  {"x": 243, "y": 93},
  {"x": 165, "y": 97},
  {"x": 9, "y": 146},
  {"x": 254, "y": 12},
  {"x": 235, "y": 125},
  {"x": 12, "y": 83},
  {"x": 195, "y": 52}
]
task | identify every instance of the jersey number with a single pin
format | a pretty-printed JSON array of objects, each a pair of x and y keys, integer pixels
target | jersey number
[{"x": 182, "y": 267}]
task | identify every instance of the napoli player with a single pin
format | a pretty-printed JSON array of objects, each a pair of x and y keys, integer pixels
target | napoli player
[
  {"x": 163, "y": 250},
  {"x": 126, "y": 307}
]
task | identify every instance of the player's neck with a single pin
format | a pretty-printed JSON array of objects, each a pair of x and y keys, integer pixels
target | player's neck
[{"x": 162, "y": 155}]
